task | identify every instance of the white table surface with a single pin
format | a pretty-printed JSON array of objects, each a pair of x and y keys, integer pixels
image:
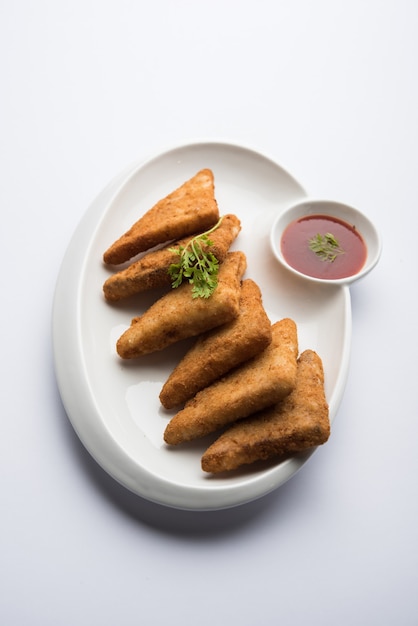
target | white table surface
[{"x": 327, "y": 88}]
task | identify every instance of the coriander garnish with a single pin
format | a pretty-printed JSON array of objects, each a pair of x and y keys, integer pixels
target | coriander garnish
[
  {"x": 326, "y": 247},
  {"x": 200, "y": 267}
]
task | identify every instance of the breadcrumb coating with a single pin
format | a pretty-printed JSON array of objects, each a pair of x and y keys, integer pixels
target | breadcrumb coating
[
  {"x": 151, "y": 271},
  {"x": 298, "y": 422},
  {"x": 189, "y": 209},
  {"x": 177, "y": 315},
  {"x": 221, "y": 349},
  {"x": 255, "y": 385}
]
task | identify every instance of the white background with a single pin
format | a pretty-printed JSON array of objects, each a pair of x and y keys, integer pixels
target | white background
[{"x": 330, "y": 90}]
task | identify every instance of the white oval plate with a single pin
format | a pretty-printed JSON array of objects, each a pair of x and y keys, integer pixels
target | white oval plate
[{"x": 112, "y": 404}]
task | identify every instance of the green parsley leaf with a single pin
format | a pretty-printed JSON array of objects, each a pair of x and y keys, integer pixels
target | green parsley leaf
[
  {"x": 326, "y": 247},
  {"x": 197, "y": 265}
]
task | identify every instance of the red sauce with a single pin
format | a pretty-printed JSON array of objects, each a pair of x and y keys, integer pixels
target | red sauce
[{"x": 296, "y": 249}]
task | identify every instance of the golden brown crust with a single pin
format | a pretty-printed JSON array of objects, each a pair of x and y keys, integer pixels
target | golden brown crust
[
  {"x": 220, "y": 350},
  {"x": 299, "y": 422},
  {"x": 256, "y": 384},
  {"x": 151, "y": 271},
  {"x": 177, "y": 315},
  {"x": 189, "y": 209}
]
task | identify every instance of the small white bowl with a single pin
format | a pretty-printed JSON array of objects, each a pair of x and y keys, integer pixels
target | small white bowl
[{"x": 340, "y": 211}]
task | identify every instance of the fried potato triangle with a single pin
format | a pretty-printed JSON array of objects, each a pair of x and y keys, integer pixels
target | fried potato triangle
[
  {"x": 221, "y": 349},
  {"x": 177, "y": 315},
  {"x": 189, "y": 209},
  {"x": 298, "y": 422},
  {"x": 151, "y": 271},
  {"x": 254, "y": 385}
]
